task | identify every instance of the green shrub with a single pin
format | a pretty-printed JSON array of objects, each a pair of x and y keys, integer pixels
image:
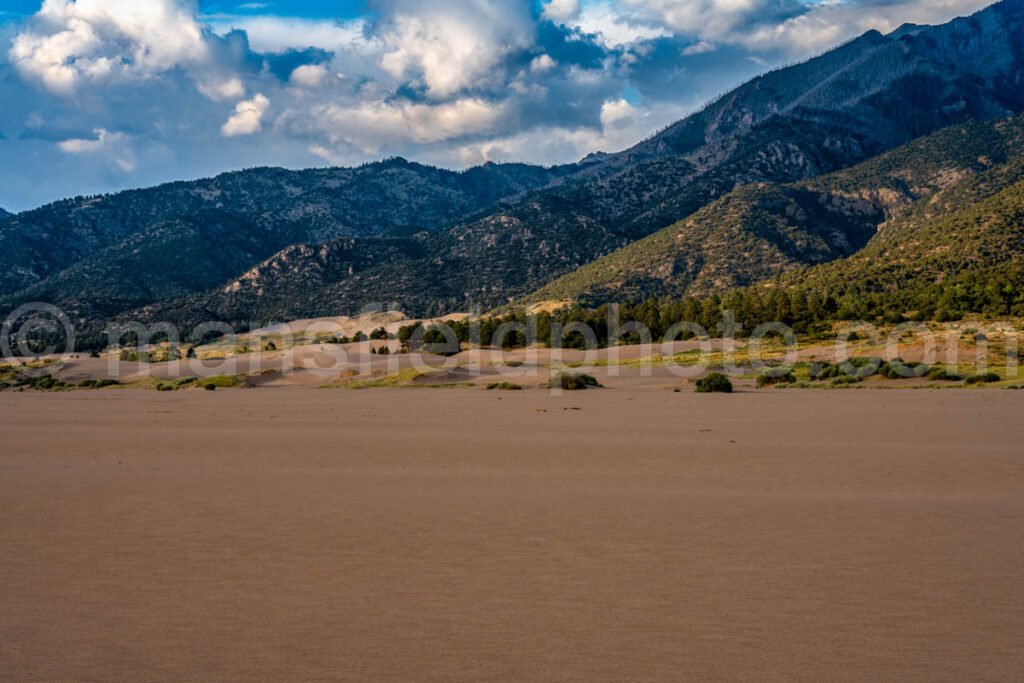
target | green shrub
[
  {"x": 210, "y": 387},
  {"x": 846, "y": 380},
  {"x": 865, "y": 366},
  {"x": 939, "y": 374},
  {"x": 897, "y": 369},
  {"x": 773, "y": 377},
  {"x": 177, "y": 384},
  {"x": 715, "y": 383},
  {"x": 824, "y": 371},
  {"x": 48, "y": 383},
  {"x": 987, "y": 378},
  {"x": 571, "y": 381},
  {"x": 104, "y": 383},
  {"x": 224, "y": 381},
  {"x": 504, "y": 386}
]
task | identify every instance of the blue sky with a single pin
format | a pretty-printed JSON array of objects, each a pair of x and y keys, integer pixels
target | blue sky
[{"x": 101, "y": 95}]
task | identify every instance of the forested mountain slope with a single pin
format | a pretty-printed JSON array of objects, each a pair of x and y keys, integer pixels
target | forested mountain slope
[{"x": 757, "y": 232}]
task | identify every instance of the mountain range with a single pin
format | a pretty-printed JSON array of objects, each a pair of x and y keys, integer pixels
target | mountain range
[{"x": 821, "y": 168}]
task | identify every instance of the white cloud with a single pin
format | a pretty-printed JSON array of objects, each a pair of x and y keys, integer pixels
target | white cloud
[
  {"x": 616, "y": 27},
  {"x": 278, "y": 34},
  {"x": 561, "y": 11},
  {"x": 542, "y": 64},
  {"x": 309, "y": 76},
  {"x": 795, "y": 27},
  {"x": 67, "y": 43},
  {"x": 220, "y": 90},
  {"x": 115, "y": 146},
  {"x": 622, "y": 125},
  {"x": 248, "y": 117},
  {"x": 453, "y": 45},
  {"x": 699, "y": 48},
  {"x": 372, "y": 126},
  {"x": 615, "y": 112},
  {"x": 705, "y": 18},
  {"x": 827, "y": 24}
]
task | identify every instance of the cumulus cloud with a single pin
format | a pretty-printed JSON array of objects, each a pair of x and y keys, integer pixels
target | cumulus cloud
[
  {"x": 710, "y": 18},
  {"x": 248, "y": 117},
  {"x": 68, "y": 43},
  {"x": 273, "y": 34},
  {"x": 617, "y": 27},
  {"x": 827, "y": 24},
  {"x": 370, "y": 127},
  {"x": 453, "y": 45},
  {"x": 220, "y": 90},
  {"x": 309, "y": 76},
  {"x": 454, "y": 82},
  {"x": 113, "y": 146},
  {"x": 561, "y": 11},
  {"x": 794, "y": 27},
  {"x": 621, "y": 125},
  {"x": 542, "y": 64}
]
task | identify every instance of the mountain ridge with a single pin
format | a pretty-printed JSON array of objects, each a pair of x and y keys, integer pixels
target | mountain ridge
[
  {"x": 433, "y": 241},
  {"x": 394, "y": 195}
]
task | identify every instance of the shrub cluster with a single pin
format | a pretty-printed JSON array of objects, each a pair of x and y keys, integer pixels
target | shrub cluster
[
  {"x": 939, "y": 374},
  {"x": 571, "y": 381},
  {"x": 715, "y": 383},
  {"x": 773, "y": 377},
  {"x": 898, "y": 369},
  {"x": 987, "y": 378},
  {"x": 99, "y": 383},
  {"x": 176, "y": 385}
]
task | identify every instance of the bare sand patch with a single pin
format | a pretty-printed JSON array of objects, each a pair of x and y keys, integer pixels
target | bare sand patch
[{"x": 471, "y": 535}]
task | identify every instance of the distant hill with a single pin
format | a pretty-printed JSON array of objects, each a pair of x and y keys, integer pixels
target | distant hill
[
  {"x": 757, "y": 232},
  {"x": 731, "y": 180},
  {"x": 4, "y": 213}
]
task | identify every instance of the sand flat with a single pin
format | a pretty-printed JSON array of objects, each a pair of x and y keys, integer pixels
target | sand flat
[{"x": 464, "y": 535}]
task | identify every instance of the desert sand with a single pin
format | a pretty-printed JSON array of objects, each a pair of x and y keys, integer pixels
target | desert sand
[{"x": 421, "y": 534}]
